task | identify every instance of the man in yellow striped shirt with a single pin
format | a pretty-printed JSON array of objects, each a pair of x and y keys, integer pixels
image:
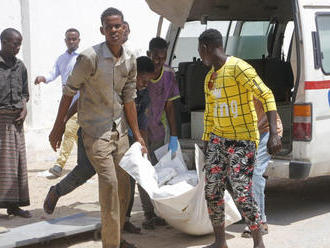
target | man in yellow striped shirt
[{"x": 231, "y": 134}]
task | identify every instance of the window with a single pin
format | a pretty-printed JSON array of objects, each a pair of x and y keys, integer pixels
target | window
[
  {"x": 186, "y": 47},
  {"x": 249, "y": 39},
  {"x": 323, "y": 29}
]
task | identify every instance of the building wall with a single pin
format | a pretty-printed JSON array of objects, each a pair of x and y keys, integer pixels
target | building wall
[{"x": 43, "y": 24}]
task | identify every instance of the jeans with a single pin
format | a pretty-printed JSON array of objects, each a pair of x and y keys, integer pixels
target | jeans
[
  {"x": 80, "y": 174},
  {"x": 258, "y": 181}
]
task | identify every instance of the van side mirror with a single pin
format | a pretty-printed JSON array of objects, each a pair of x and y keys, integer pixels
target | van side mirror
[{"x": 204, "y": 19}]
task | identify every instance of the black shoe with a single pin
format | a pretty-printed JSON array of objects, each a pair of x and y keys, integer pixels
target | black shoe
[
  {"x": 131, "y": 228},
  {"x": 51, "y": 200}
]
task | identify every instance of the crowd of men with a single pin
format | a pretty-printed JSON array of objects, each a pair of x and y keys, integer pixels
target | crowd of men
[{"x": 112, "y": 99}]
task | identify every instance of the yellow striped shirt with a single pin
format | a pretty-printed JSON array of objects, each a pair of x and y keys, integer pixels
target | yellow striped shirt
[{"x": 229, "y": 108}]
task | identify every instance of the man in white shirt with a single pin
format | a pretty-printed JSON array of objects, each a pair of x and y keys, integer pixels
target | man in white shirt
[{"x": 63, "y": 67}]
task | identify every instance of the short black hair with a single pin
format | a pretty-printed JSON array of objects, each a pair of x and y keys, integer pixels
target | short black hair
[
  {"x": 211, "y": 37},
  {"x": 111, "y": 12},
  {"x": 72, "y": 30},
  {"x": 126, "y": 23},
  {"x": 144, "y": 65},
  {"x": 7, "y": 32},
  {"x": 158, "y": 43}
]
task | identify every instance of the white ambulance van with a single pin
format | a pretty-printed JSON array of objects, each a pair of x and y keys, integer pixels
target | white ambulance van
[{"x": 287, "y": 42}]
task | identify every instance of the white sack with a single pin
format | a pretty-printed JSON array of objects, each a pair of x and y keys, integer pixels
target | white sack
[
  {"x": 190, "y": 177},
  {"x": 165, "y": 159},
  {"x": 182, "y": 205},
  {"x": 165, "y": 174}
]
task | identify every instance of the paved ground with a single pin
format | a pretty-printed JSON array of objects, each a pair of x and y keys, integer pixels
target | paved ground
[{"x": 298, "y": 214}]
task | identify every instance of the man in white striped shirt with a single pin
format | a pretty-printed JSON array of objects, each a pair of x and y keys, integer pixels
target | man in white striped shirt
[{"x": 63, "y": 67}]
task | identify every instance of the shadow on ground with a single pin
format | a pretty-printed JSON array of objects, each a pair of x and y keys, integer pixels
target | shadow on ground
[
  {"x": 89, "y": 208},
  {"x": 290, "y": 201}
]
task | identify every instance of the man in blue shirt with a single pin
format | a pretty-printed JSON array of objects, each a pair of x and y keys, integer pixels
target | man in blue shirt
[{"x": 63, "y": 67}]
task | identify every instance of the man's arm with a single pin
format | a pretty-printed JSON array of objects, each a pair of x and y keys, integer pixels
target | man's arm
[
  {"x": 81, "y": 73},
  {"x": 208, "y": 115},
  {"x": 53, "y": 74},
  {"x": 55, "y": 137},
  {"x": 72, "y": 110},
  {"x": 170, "y": 115},
  {"x": 249, "y": 79},
  {"x": 131, "y": 115},
  {"x": 129, "y": 94},
  {"x": 26, "y": 96},
  {"x": 274, "y": 143}
]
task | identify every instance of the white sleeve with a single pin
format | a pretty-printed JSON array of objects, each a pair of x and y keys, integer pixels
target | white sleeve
[{"x": 54, "y": 73}]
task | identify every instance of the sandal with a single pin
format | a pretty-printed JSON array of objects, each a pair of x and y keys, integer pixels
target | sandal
[
  {"x": 51, "y": 200},
  {"x": 264, "y": 228},
  {"x": 16, "y": 211},
  {"x": 131, "y": 228},
  {"x": 246, "y": 233},
  {"x": 125, "y": 244}
]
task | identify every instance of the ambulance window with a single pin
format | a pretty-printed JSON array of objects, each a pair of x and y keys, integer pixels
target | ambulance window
[
  {"x": 186, "y": 47},
  {"x": 324, "y": 37},
  {"x": 251, "y": 41}
]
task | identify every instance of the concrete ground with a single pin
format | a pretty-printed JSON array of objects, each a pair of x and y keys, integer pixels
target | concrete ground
[{"x": 298, "y": 215}]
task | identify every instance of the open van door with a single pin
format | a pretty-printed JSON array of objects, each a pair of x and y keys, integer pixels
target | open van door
[
  {"x": 175, "y": 11},
  {"x": 287, "y": 42}
]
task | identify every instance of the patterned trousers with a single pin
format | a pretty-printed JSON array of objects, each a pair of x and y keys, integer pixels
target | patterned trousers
[{"x": 229, "y": 165}]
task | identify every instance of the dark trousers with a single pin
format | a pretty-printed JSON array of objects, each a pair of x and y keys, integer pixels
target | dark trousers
[{"x": 80, "y": 174}]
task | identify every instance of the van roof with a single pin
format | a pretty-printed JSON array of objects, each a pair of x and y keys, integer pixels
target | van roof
[{"x": 181, "y": 11}]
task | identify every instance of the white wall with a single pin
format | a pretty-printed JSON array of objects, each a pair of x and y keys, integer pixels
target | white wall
[
  {"x": 11, "y": 16},
  {"x": 43, "y": 24}
]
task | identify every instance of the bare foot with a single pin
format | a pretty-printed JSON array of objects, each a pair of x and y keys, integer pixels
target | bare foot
[{"x": 257, "y": 239}]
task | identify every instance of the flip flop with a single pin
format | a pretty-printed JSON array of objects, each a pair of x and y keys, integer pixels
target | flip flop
[{"x": 264, "y": 228}]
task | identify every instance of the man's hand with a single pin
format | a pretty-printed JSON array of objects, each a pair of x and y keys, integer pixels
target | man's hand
[
  {"x": 39, "y": 79},
  {"x": 55, "y": 136},
  {"x": 274, "y": 144},
  {"x": 144, "y": 149},
  {"x": 20, "y": 119}
]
